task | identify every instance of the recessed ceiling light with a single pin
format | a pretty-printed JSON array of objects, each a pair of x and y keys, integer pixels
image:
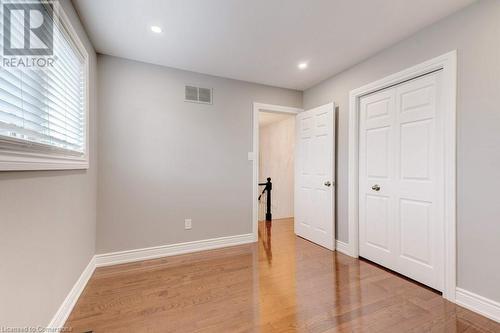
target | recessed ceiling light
[
  {"x": 302, "y": 65},
  {"x": 156, "y": 29}
]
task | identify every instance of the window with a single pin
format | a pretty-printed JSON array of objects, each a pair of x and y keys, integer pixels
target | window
[{"x": 43, "y": 98}]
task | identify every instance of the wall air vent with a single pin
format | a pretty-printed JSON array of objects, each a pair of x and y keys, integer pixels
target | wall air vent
[{"x": 198, "y": 94}]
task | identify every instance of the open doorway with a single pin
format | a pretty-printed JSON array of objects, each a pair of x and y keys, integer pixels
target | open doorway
[
  {"x": 276, "y": 166},
  {"x": 273, "y": 157},
  {"x": 312, "y": 160}
]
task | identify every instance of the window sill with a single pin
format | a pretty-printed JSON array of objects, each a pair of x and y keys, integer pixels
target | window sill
[{"x": 16, "y": 158}]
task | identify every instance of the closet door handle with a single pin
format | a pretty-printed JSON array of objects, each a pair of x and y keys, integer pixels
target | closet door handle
[{"x": 376, "y": 187}]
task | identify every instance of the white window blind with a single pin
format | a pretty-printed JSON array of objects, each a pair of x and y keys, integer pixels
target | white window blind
[{"x": 45, "y": 107}]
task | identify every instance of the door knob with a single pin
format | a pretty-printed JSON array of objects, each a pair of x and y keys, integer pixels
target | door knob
[
  {"x": 327, "y": 183},
  {"x": 376, "y": 187}
]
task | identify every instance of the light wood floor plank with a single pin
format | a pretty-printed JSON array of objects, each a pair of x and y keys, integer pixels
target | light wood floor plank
[{"x": 282, "y": 284}]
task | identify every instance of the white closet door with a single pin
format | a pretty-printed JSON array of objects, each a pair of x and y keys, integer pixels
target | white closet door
[
  {"x": 401, "y": 180},
  {"x": 314, "y": 175},
  {"x": 376, "y": 168}
]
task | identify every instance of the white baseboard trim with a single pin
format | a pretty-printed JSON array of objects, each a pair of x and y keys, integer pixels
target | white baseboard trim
[
  {"x": 479, "y": 304},
  {"x": 342, "y": 247},
  {"x": 114, "y": 258},
  {"x": 67, "y": 306},
  {"x": 121, "y": 257},
  {"x": 345, "y": 248}
]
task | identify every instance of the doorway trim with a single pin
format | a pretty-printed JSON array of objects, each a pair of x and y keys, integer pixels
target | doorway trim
[
  {"x": 448, "y": 64},
  {"x": 254, "y": 156}
]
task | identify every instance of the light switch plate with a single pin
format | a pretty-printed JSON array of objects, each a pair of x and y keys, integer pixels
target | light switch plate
[{"x": 188, "y": 224}]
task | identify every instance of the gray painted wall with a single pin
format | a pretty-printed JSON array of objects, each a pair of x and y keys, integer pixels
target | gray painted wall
[
  {"x": 162, "y": 160},
  {"x": 47, "y": 224},
  {"x": 475, "y": 33}
]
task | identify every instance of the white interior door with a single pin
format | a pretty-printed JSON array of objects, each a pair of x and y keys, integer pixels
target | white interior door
[
  {"x": 314, "y": 175},
  {"x": 401, "y": 180}
]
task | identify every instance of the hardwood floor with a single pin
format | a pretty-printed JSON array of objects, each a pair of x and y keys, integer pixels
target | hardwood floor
[{"x": 282, "y": 284}]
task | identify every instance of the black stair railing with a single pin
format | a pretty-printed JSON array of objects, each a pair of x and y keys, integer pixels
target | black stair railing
[{"x": 267, "y": 189}]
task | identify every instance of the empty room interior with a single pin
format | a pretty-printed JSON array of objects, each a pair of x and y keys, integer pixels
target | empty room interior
[{"x": 249, "y": 166}]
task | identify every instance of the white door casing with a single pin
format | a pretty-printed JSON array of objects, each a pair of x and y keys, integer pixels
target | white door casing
[
  {"x": 401, "y": 179},
  {"x": 447, "y": 63},
  {"x": 314, "y": 175}
]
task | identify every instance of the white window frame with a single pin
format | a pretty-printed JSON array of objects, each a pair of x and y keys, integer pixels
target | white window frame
[{"x": 17, "y": 155}]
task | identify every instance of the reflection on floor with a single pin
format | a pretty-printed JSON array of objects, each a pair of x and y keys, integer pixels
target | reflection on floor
[{"x": 282, "y": 284}]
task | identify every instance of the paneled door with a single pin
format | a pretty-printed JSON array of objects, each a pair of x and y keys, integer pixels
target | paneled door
[
  {"x": 314, "y": 175},
  {"x": 401, "y": 182}
]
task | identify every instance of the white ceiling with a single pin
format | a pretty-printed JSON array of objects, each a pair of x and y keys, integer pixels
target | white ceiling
[
  {"x": 257, "y": 40},
  {"x": 268, "y": 118}
]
